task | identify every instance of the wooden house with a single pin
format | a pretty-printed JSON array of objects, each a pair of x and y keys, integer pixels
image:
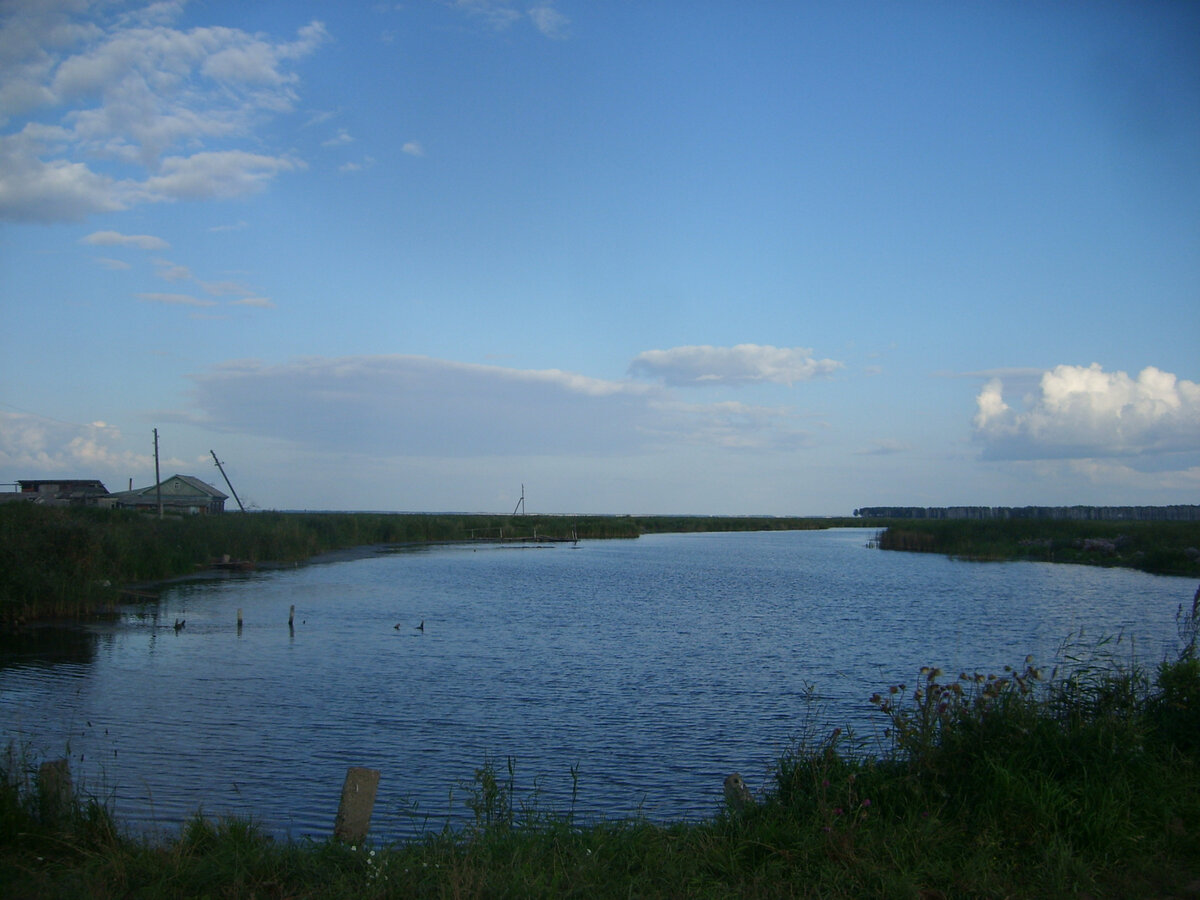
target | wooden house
[
  {"x": 180, "y": 494},
  {"x": 64, "y": 491}
]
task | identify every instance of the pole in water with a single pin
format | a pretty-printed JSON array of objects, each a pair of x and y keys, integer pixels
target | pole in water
[
  {"x": 292, "y": 616},
  {"x": 239, "y": 619}
]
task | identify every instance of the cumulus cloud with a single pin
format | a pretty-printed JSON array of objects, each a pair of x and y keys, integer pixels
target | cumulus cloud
[
  {"x": 743, "y": 364},
  {"x": 160, "y": 109},
  {"x": 402, "y": 405},
  {"x": 1083, "y": 412},
  {"x": 37, "y": 446}
]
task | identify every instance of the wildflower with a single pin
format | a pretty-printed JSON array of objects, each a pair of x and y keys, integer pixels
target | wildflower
[
  {"x": 837, "y": 810},
  {"x": 866, "y": 803}
]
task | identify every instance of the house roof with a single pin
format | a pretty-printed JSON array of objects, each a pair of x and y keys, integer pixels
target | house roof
[
  {"x": 203, "y": 486},
  {"x": 200, "y": 487}
]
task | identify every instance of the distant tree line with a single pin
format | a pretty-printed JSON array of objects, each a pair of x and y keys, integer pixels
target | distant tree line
[{"x": 1177, "y": 513}]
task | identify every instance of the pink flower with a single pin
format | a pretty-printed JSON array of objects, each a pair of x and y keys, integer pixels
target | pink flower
[{"x": 867, "y": 802}]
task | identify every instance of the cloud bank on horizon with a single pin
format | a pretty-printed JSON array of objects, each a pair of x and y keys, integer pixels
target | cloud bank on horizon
[{"x": 444, "y": 248}]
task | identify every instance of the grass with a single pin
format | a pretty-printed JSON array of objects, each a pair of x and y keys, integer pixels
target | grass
[
  {"x": 1011, "y": 784},
  {"x": 1162, "y": 548}
]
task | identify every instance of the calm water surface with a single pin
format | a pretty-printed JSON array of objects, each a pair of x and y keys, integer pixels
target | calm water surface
[{"x": 655, "y": 667}]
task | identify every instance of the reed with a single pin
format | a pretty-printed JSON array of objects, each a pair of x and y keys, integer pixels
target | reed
[
  {"x": 71, "y": 562},
  {"x": 1016, "y": 783},
  {"x": 1163, "y": 548}
]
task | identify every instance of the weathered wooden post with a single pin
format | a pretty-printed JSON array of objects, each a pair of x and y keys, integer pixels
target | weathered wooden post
[
  {"x": 358, "y": 801},
  {"x": 55, "y": 793},
  {"x": 292, "y": 616},
  {"x": 239, "y": 620}
]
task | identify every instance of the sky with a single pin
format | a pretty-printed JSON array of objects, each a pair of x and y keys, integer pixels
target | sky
[{"x": 769, "y": 258}]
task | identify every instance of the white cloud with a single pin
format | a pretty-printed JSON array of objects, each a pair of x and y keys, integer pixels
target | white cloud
[
  {"x": 116, "y": 239},
  {"x": 498, "y": 14},
  {"x": 176, "y": 299},
  {"x": 742, "y": 364},
  {"x": 228, "y": 173},
  {"x": 56, "y": 190},
  {"x": 259, "y": 302},
  {"x": 413, "y": 148},
  {"x": 503, "y": 14},
  {"x": 549, "y": 21},
  {"x": 342, "y": 137},
  {"x": 1083, "y": 412},
  {"x": 169, "y": 271},
  {"x": 36, "y": 446},
  {"x": 114, "y": 265},
  {"x": 397, "y": 406},
  {"x": 133, "y": 94}
]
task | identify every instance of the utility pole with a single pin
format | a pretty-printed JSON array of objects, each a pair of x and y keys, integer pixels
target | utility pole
[
  {"x": 227, "y": 481},
  {"x": 520, "y": 503},
  {"x": 157, "y": 477}
]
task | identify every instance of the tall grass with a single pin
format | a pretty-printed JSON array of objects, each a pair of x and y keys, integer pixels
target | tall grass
[
  {"x": 72, "y": 561},
  {"x": 68, "y": 562},
  {"x": 1016, "y": 783}
]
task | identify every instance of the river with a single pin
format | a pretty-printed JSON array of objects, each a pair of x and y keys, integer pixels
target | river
[{"x": 621, "y": 678}]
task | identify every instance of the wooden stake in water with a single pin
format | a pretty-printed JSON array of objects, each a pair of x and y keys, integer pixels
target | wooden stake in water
[
  {"x": 239, "y": 620},
  {"x": 292, "y": 616},
  {"x": 358, "y": 801}
]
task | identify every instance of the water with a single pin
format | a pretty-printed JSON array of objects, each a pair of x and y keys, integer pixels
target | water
[{"x": 653, "y": 668}]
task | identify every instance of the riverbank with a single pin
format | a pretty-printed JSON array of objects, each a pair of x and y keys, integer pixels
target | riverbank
[
  {"x": 993, "y": 785},
  {"x": 75, "y": 562},
  {"x": 1161, "y": 548}
]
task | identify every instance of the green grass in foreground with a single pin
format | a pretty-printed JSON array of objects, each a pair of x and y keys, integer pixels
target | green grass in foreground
[
  {"x": 992, "y": 785},
  {"x": 1163, "y": 548}
]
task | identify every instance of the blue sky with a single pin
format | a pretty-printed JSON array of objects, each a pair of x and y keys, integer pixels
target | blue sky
[{"x": 732, "y": 258}]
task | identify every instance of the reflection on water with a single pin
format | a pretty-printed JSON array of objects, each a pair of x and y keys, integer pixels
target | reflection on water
[
  {"x": 47, "y": 646},
  {"x": 653, "y": 667}
]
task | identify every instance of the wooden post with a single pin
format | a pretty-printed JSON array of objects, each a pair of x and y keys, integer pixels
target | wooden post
[
  {"x": 358, "y": 801},
  {"x": 292, "y": 616},
  {"x": 55, "y": 794}
]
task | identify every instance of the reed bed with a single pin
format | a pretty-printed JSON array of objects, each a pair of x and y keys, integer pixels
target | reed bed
[
  {"x": 1162, "y": 548},
  {"x": 73, "y": 562}
]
